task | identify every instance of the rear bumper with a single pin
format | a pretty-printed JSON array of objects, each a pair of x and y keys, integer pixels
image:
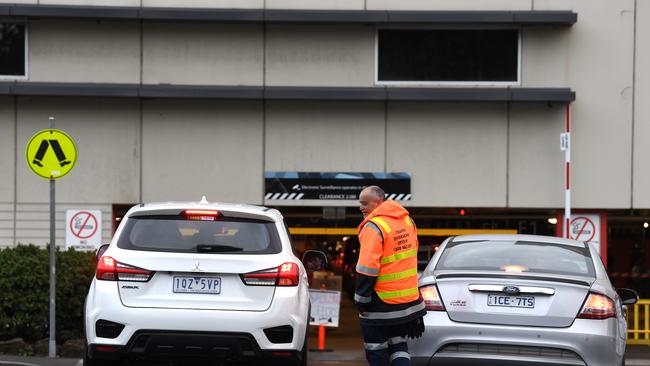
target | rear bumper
[
  {"x": 585, "y": 342},
  {"x": 187, "y": 346},
  {"x": 289, "y": 307}
]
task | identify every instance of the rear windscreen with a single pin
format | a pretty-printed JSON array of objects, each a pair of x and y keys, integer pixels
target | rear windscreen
[
  {"x": 175, "y": 234},
  {"x": 516, "y": 257}
]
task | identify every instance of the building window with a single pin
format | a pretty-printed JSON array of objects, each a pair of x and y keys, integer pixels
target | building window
[
  {"x": 12, "y": 49},
  {"x": 474, "y": 56}
]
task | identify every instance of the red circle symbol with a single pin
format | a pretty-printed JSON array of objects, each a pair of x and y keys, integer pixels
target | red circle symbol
[
  {"x": 83, "y": 221},
  {"x": 582, "y": 226}
]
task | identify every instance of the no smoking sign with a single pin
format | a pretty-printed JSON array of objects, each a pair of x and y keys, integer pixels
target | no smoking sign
[
  {"x": 583, "y": 229},
  {"x": 83, "y": 229},
  {"x": 586, "y": 228}
]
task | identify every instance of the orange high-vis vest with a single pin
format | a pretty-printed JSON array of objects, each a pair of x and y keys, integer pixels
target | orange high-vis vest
[{"x": 389, "y": 248}]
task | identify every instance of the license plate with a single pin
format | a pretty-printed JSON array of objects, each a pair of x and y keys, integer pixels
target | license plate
[
  {"x": 197, "y": 285},
  {"x": 511, "y": 301}
]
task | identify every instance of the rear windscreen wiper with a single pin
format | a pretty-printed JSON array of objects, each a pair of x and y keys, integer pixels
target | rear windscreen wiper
[{"x": 207, "y": 248}]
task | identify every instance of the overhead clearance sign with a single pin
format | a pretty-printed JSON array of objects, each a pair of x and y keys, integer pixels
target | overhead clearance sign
[{"x": 323, "y": 186}]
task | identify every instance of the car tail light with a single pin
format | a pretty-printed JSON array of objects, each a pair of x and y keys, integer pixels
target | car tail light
[
  {"x": 431, "y": 297},
  {"x": 283, "y": 275},
  {"x": 202, "y": 215},
  {"x": 597, "y": 306},
  {"x": 108, "y": 269}
]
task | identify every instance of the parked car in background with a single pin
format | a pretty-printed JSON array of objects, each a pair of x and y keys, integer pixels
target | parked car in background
[
  {"x": 520, "y": 300},
  {"x": 199, "y": 282}
]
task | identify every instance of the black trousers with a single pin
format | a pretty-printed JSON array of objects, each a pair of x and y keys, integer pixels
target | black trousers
[{"x": 384, "y": 347}]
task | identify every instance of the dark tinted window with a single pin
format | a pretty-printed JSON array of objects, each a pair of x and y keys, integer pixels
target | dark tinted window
[
  {"x": 173, "y": 234},
  {"x": 524, "y": 257},
  {"x": 448, "y": 55},
  {"x": 12, "y": 49}
]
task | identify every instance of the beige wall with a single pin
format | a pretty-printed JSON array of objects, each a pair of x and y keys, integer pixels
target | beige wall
[
  {"x": 316, "y": 56},
  {"x": 641, "y": 172},
  {"x": 459, "y": 154},
  {"x": 18, "y": 1},
  {"x": 600, "y": 71},
  {"x": 195, "y": 148},
  {"x": 91, "y": 2},
  {"x": 535, "y": 162},
  {"x": 106, "y": 132},
  {"x": 544, "y": 55},
  {"x": 7, "y": 149},
  {"x": 250, "y": 4},
  {"x": 33, "y": 221},
  {"x": 202, "y": 54},
  {"x": 84, "y": 51},
  {"x": 7, "y": 165},
  {"x": 315, "y": 4},
  {"x": 449, "y": 5},
  {"x": 107, "y": 169},
  {"x": 456, "y": 153},
  {"x": 324, "y": 136}
]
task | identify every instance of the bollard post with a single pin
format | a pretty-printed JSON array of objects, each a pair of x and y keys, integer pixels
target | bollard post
[
  {"x": 321, "y": 338},
  {"x": 321, "y": 327}
]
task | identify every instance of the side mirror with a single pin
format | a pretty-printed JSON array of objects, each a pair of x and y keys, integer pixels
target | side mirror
[
  {"x": 100, "y": 251},
  {"x": 628, "y": 297},
  {"x": 314, "y": 260}
]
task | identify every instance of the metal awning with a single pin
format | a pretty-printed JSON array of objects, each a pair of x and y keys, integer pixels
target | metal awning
[
  {"x": 384, "y": 93},
  {"x": 380, "y": 17}
]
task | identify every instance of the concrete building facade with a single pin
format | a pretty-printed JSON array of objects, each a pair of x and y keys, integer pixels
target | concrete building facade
[{"x": 172, "y": 100}]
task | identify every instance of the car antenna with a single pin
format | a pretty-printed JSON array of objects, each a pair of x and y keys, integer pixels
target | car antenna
[{"x": 204, "y": 201}]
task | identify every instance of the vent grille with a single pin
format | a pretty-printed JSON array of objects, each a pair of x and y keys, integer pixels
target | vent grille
[
  {"x": 283, "y": 334},
  {"x": 510, "y": 350},
  {"x": 108, "y": 329}
]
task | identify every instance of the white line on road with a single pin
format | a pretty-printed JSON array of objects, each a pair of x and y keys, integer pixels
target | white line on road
[
  {"x": 17, "y": 363},
  {"x": 80, "y": 363},
  {"x": 636, "y": 362}
]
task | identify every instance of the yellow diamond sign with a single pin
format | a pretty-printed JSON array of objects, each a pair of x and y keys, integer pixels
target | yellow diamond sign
[{"x": 51, "y": 153}]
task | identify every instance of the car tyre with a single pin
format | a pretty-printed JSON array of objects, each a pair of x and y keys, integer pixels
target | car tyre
[{"x": 305, "y": 350}]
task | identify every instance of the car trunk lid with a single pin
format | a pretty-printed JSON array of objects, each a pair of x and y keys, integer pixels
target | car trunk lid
[
  {"x": 495, "y": 298},
  {"x": 199, "y": 281}
]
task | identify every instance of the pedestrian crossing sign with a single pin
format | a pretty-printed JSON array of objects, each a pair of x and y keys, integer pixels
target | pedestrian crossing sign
[{"x": 51, "y": 154}]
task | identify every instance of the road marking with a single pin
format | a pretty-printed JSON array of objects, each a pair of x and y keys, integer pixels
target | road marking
[
  {"x": 80, "y": 363},
  {"x": 636, "y": 362},
  {"x": 17, "y": 363}
]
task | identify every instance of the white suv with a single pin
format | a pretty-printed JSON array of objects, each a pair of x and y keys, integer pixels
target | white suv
[{"x": 199, "y": 282}]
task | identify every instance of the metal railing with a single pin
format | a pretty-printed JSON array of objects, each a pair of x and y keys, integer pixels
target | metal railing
[{"x": 638, "y": 323}]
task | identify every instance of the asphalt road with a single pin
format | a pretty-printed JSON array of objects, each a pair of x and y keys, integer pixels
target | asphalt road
[
  {"x": 36, "y": 361},
  {"x": 42, "y": 361},
  {"x": 345, "y": 342}
]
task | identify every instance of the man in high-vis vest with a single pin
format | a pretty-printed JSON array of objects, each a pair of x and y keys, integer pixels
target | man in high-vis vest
[{"x": 387, "y": 296}]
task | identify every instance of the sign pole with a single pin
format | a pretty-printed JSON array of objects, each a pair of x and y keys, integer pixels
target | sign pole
[
  {"x": 52, "y": 343},
  {"x": 51, "y": 166},
  {"x": 566, "y": 147}
]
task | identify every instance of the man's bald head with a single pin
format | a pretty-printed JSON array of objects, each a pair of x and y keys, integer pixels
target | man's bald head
[
  {"x": 369, "y": 198},
  {"x": 375, "y": 191}
]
